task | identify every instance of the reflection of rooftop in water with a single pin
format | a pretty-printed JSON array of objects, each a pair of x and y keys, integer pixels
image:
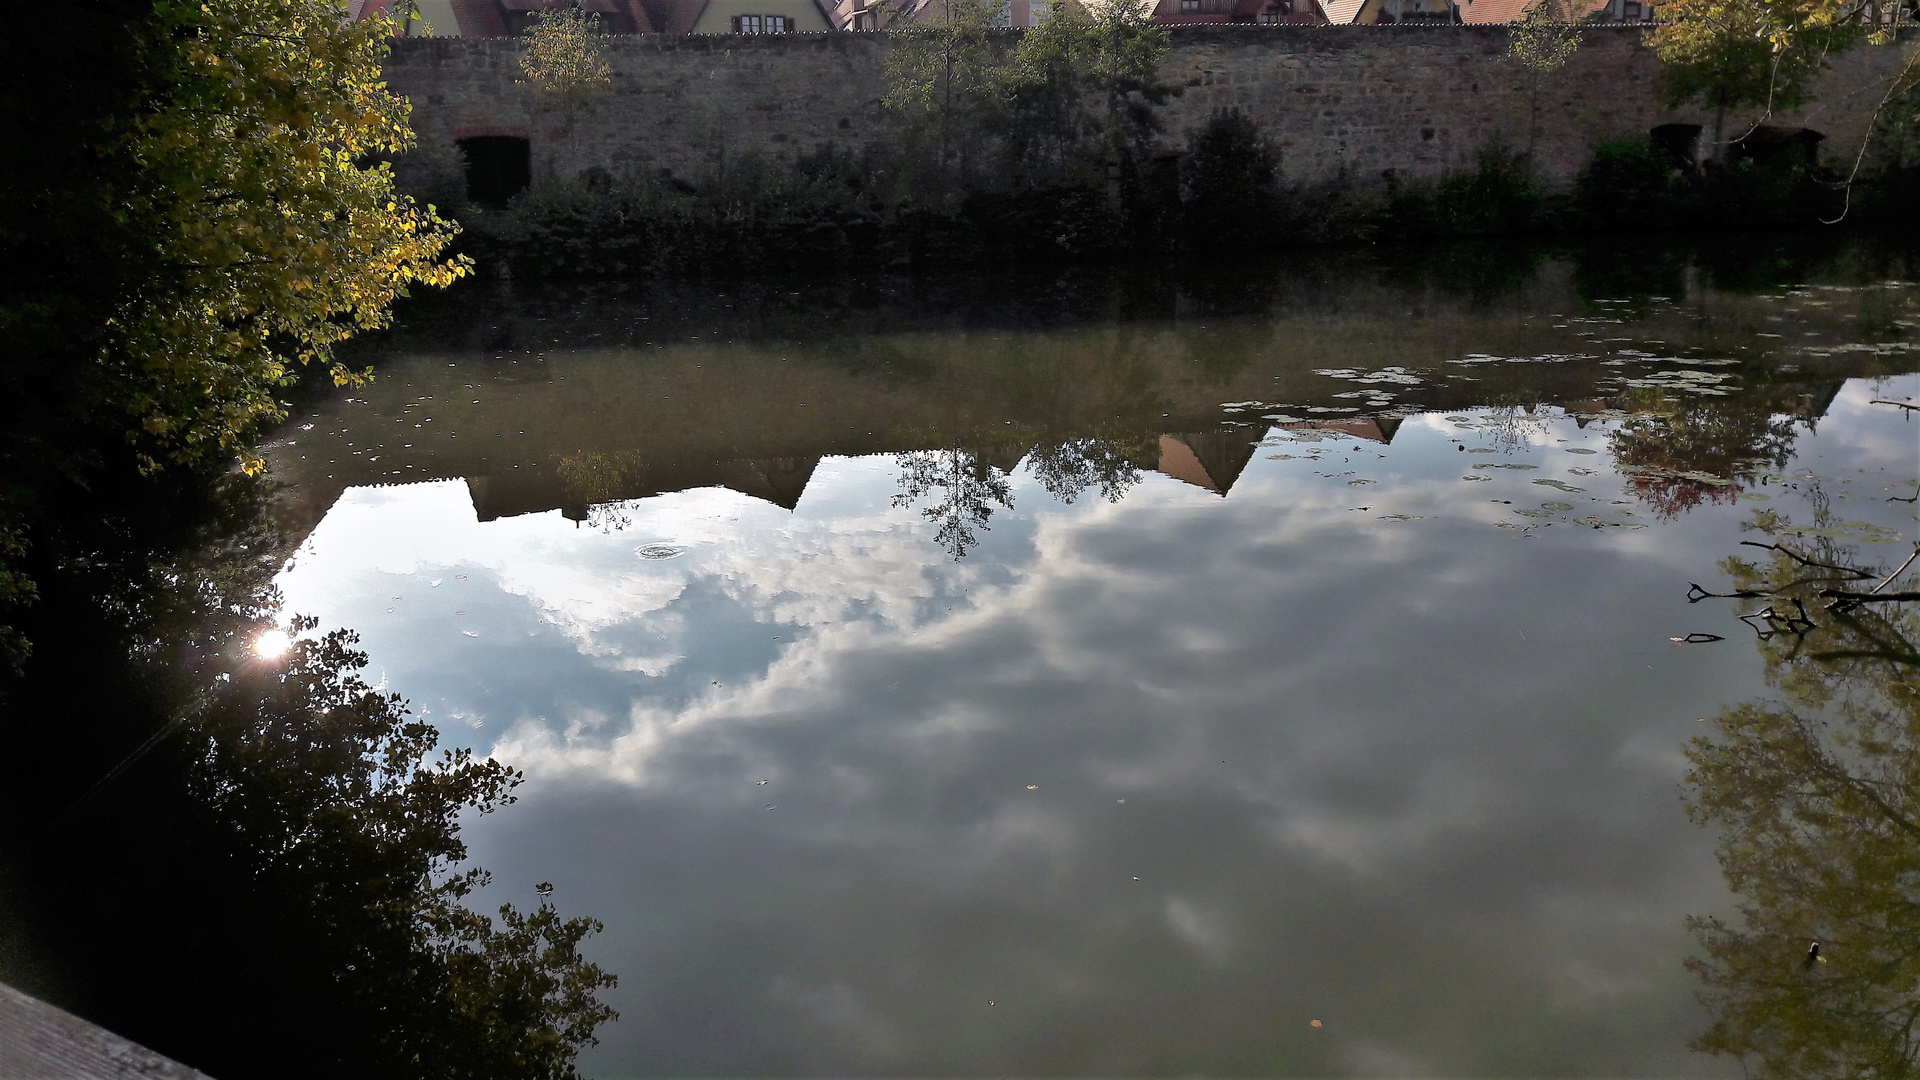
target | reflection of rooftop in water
[
  {"x": 1378, "y": 429},
  {"x": 780, "y": 481},
  {"x": 1211, "y": 460}
]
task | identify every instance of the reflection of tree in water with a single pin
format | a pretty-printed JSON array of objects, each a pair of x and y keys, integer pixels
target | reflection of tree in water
[
  {"x": 599, "y": 482},
  {"x": 969, "y": 487},
  {"x": 1817, "y": 796},
  {"x": 271, "y": 883},
  {"x": 322, "y": 787},
  {"x": 1070, "y": 469},
  {"x": 1513, "y": 425},
  {"x": 968, "y": 491},
  {"x": 1680, "y": 450}
]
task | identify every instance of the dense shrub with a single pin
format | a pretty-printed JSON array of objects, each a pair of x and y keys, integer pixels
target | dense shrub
[
  {"x": 1631, "y": 185},
  {"x": 1499, "y": 197},
  {"x": 1229, "y": 185},
  {"x": 1226, "y": 193}
]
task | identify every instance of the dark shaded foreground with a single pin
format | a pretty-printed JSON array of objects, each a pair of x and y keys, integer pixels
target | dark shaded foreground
[
  {"x": 251, "y": 862},
  {"x": 38, "y": 1040}
]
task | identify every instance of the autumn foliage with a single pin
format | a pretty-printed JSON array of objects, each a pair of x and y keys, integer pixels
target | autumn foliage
[{"x": 273, "y": 226}]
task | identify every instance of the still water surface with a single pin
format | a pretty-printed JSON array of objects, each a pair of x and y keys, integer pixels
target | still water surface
[{"x": 1080, "y": 677}]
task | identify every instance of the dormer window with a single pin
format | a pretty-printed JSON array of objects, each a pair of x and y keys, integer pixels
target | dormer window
[{"x": 1189, "y": 5}]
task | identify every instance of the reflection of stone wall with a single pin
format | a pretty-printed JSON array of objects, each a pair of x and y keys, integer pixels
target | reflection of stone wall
[{"x": 1350, "y": 101}]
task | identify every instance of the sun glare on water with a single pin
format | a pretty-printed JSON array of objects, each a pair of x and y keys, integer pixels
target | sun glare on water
[{"x": 271, "y": 644}]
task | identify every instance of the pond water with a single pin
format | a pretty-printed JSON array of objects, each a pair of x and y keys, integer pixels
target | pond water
[{"x": 1088, "y": 676}]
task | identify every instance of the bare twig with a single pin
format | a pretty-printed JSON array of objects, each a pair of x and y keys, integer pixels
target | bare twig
[
  {"x": 1804, "y": 561},
  {"x": 1896, "y": 404},
  {"x": 1846, "y": 601},
  {"x": 1777, "y": 623},
  {"x": 1894, "y": 87},
  {"x": 1695, "y": 594},
  {"x": 1897, "y": 573}
]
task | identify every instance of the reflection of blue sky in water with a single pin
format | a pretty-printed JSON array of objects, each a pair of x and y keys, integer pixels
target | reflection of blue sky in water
[{"x": 1290, "y": 760}]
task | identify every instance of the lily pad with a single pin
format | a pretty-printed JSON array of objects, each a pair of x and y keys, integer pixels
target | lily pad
[{"x": 1559, "y": 486}]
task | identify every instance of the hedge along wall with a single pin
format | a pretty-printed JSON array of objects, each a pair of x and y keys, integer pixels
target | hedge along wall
[{"x": 1339, "y": 102}]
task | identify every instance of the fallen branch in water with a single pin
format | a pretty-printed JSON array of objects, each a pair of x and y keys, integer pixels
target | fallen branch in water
[
  {"x": 1847, "y": 601},
  {"x": 1777, "y": 622},
  {"x": 1804, "y": 561},
  {"x": 1902, "y": 570},
  {"x": 1895, "y": 404},
  {"x": 1695, "y": 594}
]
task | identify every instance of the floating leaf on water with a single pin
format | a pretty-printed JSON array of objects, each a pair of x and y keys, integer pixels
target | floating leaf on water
[
  {"x": 1356, "y": 483},
  {"x": 1580, "y": 450},
  {"x": 660, "y": 551},
  {"x": 1460, "y": 419},
  {"x": 1558, "y": 486},
  {"x": 1536, "y": 513},
  {"x": 1483, "y": 479},
  {"x": 1522, "y": 466},
  {"x": 1033, "y": 787},
  {"x": 1556, "y": 506},
  {"x": 469, "y": 633},
  {"x": 1696, "y": 639},
  {"x": 1582, "y": 472},
  {"x": 1400, "y": 517},
  {"x": 1282, "y": 457},
  {"x": 1316, "y": 1023}
]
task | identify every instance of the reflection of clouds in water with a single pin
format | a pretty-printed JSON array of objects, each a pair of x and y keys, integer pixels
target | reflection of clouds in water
[{"x": 1415, "y": 777}]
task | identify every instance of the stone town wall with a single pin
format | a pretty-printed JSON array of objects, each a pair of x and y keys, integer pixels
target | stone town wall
[{"x": 1337, "y": 101}]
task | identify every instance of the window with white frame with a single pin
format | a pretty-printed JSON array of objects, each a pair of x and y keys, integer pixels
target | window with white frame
[{"x": 762, "y": 24}]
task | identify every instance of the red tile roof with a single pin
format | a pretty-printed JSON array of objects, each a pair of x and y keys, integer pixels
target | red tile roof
[{"x": 1506, "y": 11}]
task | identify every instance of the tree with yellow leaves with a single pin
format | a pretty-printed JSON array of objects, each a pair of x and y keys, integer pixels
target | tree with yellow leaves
[
  {"x": 1765, "y": 54},
  {"x": 564, "y": 65},
  {"x": 1541, "y": 43},
  {"x": 275, "y": 232}
]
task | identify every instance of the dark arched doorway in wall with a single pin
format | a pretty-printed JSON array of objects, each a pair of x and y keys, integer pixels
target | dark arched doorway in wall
[{"x": 498, "y": 167}]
